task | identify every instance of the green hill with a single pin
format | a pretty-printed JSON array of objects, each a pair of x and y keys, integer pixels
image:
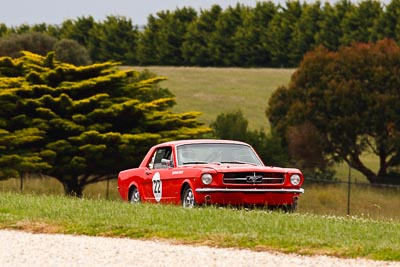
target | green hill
[{"x": 216, "y": 90}]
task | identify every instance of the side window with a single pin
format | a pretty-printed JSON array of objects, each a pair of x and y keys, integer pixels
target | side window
[{"x": 162, "y": 158}]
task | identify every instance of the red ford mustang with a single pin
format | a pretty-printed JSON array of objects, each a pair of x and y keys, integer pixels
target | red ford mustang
[{"x": 198, "y": 172}]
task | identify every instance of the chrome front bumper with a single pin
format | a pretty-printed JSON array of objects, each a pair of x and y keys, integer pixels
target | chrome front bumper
[{"x": 249, "y": 190}]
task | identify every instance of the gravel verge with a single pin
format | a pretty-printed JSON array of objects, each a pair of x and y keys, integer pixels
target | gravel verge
[{"x": 28, "y": 249}]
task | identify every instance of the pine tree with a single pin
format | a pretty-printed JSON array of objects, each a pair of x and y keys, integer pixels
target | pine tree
[{"x": 82, "y": 125}]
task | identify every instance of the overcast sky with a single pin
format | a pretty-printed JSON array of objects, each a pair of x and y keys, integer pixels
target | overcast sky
[{"x": 17, "y": 12}]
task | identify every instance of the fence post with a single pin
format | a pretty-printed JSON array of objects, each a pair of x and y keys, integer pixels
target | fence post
[
  {"x": 108, "y": 189},
  {"x": 21, "y": 183},
  {"x": 348, "y": 189}
]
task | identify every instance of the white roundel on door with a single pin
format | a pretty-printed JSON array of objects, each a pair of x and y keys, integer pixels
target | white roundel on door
[{"x": 157, "y": 186}]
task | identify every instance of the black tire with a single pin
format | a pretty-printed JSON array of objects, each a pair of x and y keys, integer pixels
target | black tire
[
  {"x": 188, "y": 200},
  {"x": 134, "y": 196}
]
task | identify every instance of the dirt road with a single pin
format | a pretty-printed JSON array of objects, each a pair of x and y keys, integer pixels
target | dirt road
[{"x": 27, "y": 249}]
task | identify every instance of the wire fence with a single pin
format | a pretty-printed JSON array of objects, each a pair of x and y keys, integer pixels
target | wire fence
[
  {"x": 342, "y": 196},
  {"x": 349, "y": 185},
  {"x": 366, "y": 184}
]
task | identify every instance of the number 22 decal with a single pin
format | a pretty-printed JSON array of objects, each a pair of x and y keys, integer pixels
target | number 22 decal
[{"x": 157, "y": 186}]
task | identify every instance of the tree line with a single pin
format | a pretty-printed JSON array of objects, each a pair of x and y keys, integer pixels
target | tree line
[{"x": 266, "y": 35}]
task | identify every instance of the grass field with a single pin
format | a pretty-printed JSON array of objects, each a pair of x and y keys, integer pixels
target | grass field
[
  {"x": 365, "y": 201},
  {"x": 254, "y": 229},
  {"x": 216, "y": 90}
]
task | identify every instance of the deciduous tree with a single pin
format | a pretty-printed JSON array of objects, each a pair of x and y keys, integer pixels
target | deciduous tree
[
  {"x": 352, "y": 99},
  {"x": 36, "y": 42},
  {"x": 71, "y": 51}
]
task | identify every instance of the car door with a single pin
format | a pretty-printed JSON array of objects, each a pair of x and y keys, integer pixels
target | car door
[{"x": 159, "y": 183}]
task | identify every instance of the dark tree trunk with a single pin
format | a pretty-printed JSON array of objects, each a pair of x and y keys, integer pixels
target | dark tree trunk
[
  {"x": 72, "y": 187},
  {"x": 382, "y": 161},
  {"x": 368, "y": 173},
  {"x": 381, "y": 178}
]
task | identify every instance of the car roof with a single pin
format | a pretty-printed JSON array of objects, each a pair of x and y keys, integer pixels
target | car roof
[{"x": 202, "y": 141}]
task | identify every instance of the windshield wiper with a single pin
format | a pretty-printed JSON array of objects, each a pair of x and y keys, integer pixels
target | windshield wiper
[
  {"x": 235, "y": 162},
  {"x": 238, "y": 162},
  {"x": 194, "y": 162}
]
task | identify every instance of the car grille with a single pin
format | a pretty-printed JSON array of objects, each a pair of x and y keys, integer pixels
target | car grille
[{"x": 254, "y": 178}]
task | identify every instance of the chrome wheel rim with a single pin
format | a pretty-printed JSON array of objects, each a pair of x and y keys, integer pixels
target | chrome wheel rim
[
  {"x": 135, "y": 198},
  {"x": 188, "y": 199}
]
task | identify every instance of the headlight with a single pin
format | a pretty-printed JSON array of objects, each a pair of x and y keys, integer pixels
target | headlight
[
  {"x": 206, "y": 178},
  {"x": 295, "y": 179}
]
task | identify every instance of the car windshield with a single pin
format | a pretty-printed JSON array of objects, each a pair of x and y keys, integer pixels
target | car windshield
[{"x": 216, "y": 153}]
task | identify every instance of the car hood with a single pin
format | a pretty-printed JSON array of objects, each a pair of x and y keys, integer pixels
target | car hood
[{"x": 223, "y": 167}]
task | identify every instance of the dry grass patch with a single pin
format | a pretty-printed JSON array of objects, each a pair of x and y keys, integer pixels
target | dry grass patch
[{"x": 37, "y": 227}]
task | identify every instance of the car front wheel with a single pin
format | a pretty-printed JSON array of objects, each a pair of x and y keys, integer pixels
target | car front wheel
[
  {"x": 188, "y": 200},
  {"x": 134, "y": 196}
]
